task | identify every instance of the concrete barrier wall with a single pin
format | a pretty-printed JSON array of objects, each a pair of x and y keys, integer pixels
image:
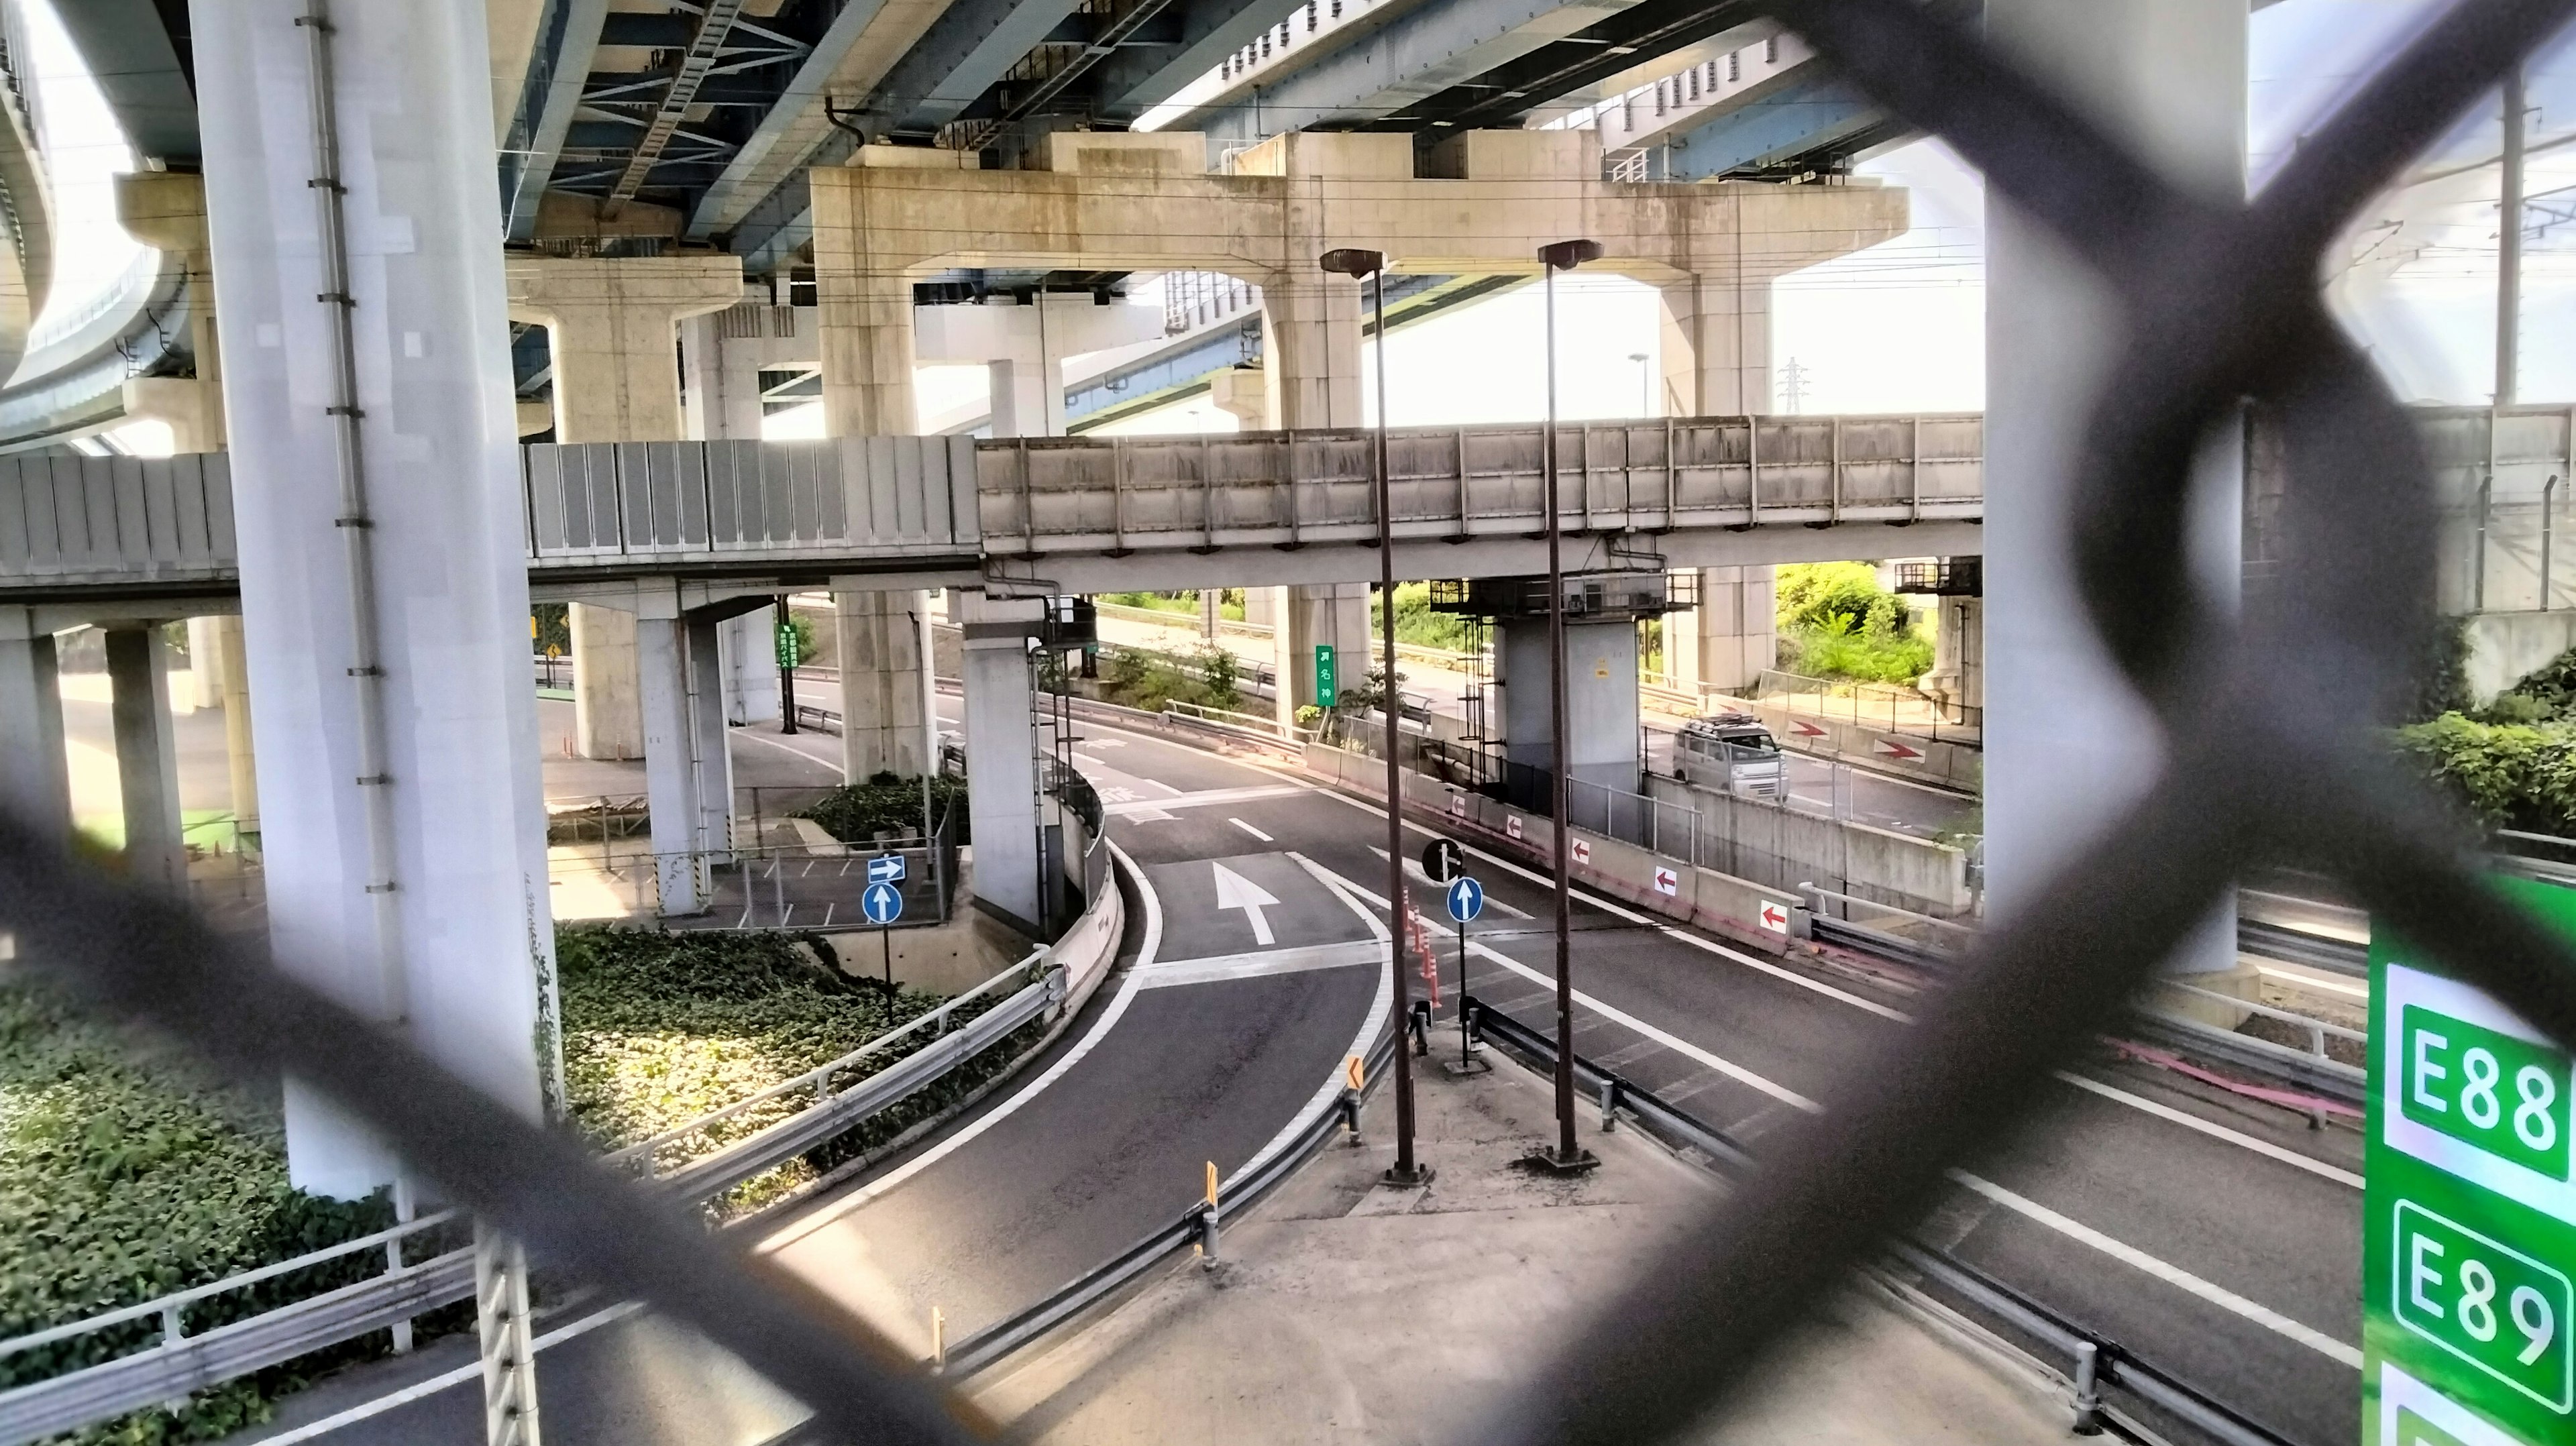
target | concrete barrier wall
[
  {"x": 1874, "y": 863},
  {"x": 1951, "y": 765},
  {"x": 1671, "y": 887}
]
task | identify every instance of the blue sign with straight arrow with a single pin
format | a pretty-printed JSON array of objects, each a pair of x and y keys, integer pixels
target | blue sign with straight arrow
[
  {"x": 882, "y": 903},
  {"x": 1466, "y": 899}
]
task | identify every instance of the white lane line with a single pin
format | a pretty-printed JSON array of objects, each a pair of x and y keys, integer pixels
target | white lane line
[
  {"x": 1201, "y": 799},
  {"x": 1413, "y": 870},
  {"x": 2190, "y": 1121},
  {"x": 444, "y": 1381},
  {"x": 1257, "y": 963},
  {"x": 1673, "y": 1042},
  {"x": 2175, "y": 1275},
  {"x": 1247, "y": 828},
  {"x": 1108, "y": 1020},
  {"x": 1870, "y": 1006}
]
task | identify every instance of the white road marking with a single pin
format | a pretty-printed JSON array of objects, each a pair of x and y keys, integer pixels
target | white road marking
[
  {"x": 1845, "y": 996},
  {"x": 446, "y": 1380},
  {"x": 1234, "y": 891},
  {"x": 1256, "y": 964},
  {"x": 1247, "y": 828},
  {"x": 857, "y": 1199},
  {"x": 2175, "y": 1275},
  {"x": 2190, "y": 1121},
  {"x": 1673, "y": 1042},
  {"x": 1201, "y": 799}
]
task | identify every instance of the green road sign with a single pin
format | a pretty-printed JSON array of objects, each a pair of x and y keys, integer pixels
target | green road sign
[
  {"x": 1328, "y": 682},
  {"x": 787, "y": 654},
  {"x": 2469, "y": 1230}
]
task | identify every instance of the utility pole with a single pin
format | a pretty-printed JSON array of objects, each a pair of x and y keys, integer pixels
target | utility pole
[
  {"x": 1793, "y": 382},
  {"x": 2509, "y": 244},
  {"x": 1568, "y": 1156},
  {"x": 1406, "y": 1172}
]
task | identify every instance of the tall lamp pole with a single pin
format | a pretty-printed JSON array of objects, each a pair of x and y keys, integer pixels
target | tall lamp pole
[
  {"x": 1356, "y": 263},
  {"x": 2509, "y": 244},
  {"x": 1568, "y": 1155}
]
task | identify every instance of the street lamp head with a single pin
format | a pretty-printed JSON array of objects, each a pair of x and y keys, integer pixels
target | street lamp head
[
  {"x": 1353, "y": 262},
  {"x": 1566, "y": 255}
]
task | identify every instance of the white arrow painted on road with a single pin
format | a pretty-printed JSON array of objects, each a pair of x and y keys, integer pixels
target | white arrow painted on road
[{"x": 1234, "y": 891}]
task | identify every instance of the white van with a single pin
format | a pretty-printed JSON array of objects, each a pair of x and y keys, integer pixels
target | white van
[{"x": 1733, "y": 753}]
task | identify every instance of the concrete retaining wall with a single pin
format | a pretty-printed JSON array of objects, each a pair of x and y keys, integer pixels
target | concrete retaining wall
[
  {"x": 1874, "y": 863},
  {"x": 1671, "y": 887},
  {"x": 1951, "y": 765}
]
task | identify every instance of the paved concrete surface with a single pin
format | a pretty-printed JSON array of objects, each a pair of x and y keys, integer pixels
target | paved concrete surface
[{"x": 1344, "y": 1312}]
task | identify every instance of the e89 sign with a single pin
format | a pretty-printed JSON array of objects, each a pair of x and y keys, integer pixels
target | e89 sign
[{"x": 2504, "y": 1095}]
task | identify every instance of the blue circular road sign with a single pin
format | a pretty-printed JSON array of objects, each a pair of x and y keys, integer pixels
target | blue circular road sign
[
  {"x": 882, "y": 903},
  {"x": 1466, "y": 899}
]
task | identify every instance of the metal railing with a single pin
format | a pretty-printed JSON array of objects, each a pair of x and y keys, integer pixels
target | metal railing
[
  {"x": 2094, "y": 1361},
  {"x": 1881, "y": 706}
]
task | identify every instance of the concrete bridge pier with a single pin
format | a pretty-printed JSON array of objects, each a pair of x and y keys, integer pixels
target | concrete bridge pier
[
  {"x": 1334, "y": 615},
  {"x": 1958, "y": 673},
  {"x": 1731, "y": 637},
  {"x": 1601, "y": 711},
  {"x": 35, "y": 780},
  {"x": 888, "y": 724},
  {"x": 688, "y": 763},
  {"x": 1023, "y": 346},
  {"x": 147, "y": 756},
  {"x": 612, "y": 332},
  {"x": 1001, "y": 753}
]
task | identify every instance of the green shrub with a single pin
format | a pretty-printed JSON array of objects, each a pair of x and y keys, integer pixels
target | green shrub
[
  {"x": 124, "y": 1176},
  {"x": 1811, "y": 595},
  {"x": 662, "y": 1028},
  {"x": 1835, "y": 622},
  {"x": 858, "y": 812},
  {"x": 2510, "y": 775}
]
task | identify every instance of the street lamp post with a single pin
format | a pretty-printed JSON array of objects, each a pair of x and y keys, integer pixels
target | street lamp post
[
  {"x": 1406, "y": 1171},
  {"x": 1568, "y": 1155},
  {"x": 1645, "y": 384}
]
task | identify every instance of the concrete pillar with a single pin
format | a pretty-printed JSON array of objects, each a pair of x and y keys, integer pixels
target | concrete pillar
[
  {"x": 166, "y": 210},
  {"x": 1242, "y": 393},
  {"x": 1023, "y": 346},
  {"x": 607, "y": 717},
  {"x": 447, "y": 933},
  {"x": 886, "y": 726},
  {"x": 1731, "y": 637},
  {"x": 2068, "y": 745},
  {"x": 1310, "y": 353},
  {"x": 35, "y": 778},
  {"x": 1001, "y": 757},
  {"x": 147, "y": 757},
  {"x": 1600, "y": 699},
  {"x": 1716, "y": 345},
  {"x": 215, "y": 663},
  {"x": 867, "y": 347},
  {"x": 611, "y": 329},
  {"x": 710, "y": 751},
  {"x": 1304, "y": 618},
  {"x": 671, "y": 797},
  {"x": 1958, "y": 675},
  {"x": 751, "y": 667}
]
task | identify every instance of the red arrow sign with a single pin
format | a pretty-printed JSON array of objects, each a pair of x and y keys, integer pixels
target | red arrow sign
[
  {"x": 1894, "y": 749},
  {"x": 1774, "y": 918},
  {"x": 1805, "y": 729},
  {"x": 1667, "y": 882}
]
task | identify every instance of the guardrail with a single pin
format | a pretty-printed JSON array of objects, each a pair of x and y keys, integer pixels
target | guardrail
[
  {"x": 2095, "y": 1360},
  {"x": 1198, "y": 1225},
  {"x": 2298, "y": 946},
  {"x": 180, "y": 1364}
]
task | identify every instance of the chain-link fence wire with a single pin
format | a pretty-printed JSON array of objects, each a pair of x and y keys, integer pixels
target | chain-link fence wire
[{"x": 2270, "y": 717}]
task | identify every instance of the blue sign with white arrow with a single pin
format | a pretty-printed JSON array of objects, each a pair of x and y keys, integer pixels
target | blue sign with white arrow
[
  {"x": 1466, "y": 899},
  {"x": 886, "y": 869},
  {"x": 882, "y": 903}
]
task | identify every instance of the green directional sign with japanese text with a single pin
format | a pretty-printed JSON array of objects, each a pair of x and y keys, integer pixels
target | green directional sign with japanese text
[
  {"x": 1328, "y": 683},
  {"x": 788, "y": 656},
  {"x": 2469, "y": 1233}
]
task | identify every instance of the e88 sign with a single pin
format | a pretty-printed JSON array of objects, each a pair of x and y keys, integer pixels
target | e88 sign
[{"x": 2505, "y": 1095}]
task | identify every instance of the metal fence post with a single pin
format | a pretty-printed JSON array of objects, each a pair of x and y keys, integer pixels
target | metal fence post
[
  {"x": 2088, "y": 1393},
  {"x": 505, "y": 1342}
]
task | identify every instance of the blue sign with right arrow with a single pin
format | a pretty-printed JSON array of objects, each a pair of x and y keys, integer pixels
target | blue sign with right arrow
[
  {"x": 1466, "y": 899},
  {"x": 882, "y": 903}
]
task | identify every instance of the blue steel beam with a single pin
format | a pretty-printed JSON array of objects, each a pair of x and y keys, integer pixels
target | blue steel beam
[
  {"x": 803, "y": 97},
  {"x": 567, "y": 38},
  {"x": 966, "y": 51},
  {"x": 1791, "y": 121},
  {"x": 1420, "y": 53},
  {"x": 1139, "y": 79}
]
